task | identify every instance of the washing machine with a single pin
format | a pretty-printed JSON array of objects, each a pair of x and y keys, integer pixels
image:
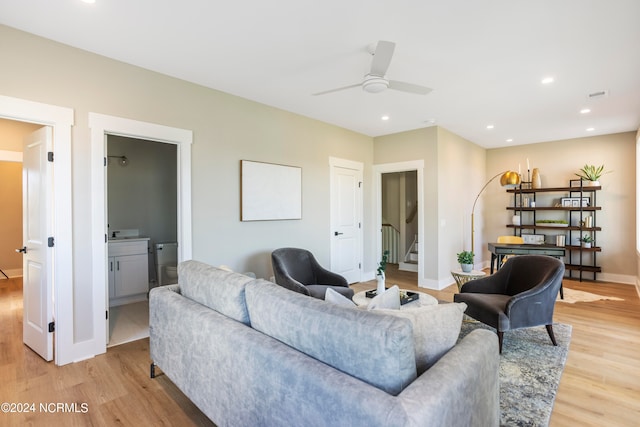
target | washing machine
[{"x": 166, "y": 258}]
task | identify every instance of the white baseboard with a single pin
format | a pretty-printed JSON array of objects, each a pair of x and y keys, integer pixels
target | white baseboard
[{"x": 15, "y": 272}]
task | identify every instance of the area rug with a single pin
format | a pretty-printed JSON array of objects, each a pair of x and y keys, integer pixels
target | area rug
[
  {"x": 572, "y": 296},
  {"x": 530, "y": 371}
]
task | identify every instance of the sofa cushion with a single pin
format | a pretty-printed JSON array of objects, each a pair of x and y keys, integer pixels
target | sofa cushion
[
  {"x": 435, "y": 330},
  {"x": 371, "y": 346},
  {"x": 220, "y": 290},
  {"x": 389, "y": 299}
]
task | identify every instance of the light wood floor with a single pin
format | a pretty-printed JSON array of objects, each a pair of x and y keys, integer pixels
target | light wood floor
[{"x": 600, "y": 385}]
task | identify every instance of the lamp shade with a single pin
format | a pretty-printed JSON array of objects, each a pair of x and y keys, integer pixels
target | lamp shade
[{"x": 510, "y": 179}]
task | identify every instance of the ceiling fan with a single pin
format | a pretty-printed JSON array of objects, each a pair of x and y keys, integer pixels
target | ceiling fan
[{"x": 375, "y": 80}]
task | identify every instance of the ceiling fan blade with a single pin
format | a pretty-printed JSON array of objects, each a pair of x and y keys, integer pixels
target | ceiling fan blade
[
  {"x": 382, "y": 58},
  {"x": 337, "y": 90},
  {"x": 409, "y": 87}
]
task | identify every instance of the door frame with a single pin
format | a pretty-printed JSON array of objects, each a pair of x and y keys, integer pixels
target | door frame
[
  {"x": 378, "y": 170},
  {"x": 60, "y": 119},
  {"x": 102, "y": 125}
]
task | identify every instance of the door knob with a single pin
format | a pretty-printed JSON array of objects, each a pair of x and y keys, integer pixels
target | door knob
[
  {"x": 22, "y": 249},
  {"x": 335, "y": 233}
]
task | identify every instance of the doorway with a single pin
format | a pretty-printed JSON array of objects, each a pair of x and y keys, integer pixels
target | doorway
[
  {"x": 413, "y": 167},
  {"x": 142, "y": 212},
  {"x": 400, "y": 220},
  {"x": 103, "y": 126},
  {"x": 58, "y": 216}
]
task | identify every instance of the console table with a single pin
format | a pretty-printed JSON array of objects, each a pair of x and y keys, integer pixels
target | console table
[{"x": 499, "y": 249}]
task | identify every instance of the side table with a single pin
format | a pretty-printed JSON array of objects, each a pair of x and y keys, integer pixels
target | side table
[{"x": 461, "y": 277}]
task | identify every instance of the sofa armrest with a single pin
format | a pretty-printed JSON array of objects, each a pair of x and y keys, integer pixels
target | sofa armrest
[{"x": 461, "y": 389}]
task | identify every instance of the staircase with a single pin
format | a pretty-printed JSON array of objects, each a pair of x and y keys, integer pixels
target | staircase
[{"x": 410, "y": 262}]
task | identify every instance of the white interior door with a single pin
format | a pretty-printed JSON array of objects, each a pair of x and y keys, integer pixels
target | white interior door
[
  {"x": 346, "y": 219},
  {"x": 37, "y": 274}
]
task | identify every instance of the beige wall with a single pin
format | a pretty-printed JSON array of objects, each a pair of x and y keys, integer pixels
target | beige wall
[
  {"x": 12, "y": 134},
  {"x": 226, "y": 129},
  {"x": 557, "y": 162},
  {"x": 454, "y": 173},
  {"x": 10, "y": 217}
]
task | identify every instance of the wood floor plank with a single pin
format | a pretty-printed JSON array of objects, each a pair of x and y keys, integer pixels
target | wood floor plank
[{"x": 600, "y": 384}]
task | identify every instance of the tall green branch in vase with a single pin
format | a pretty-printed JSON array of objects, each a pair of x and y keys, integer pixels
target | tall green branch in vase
[{"x": 382, "y": 266}]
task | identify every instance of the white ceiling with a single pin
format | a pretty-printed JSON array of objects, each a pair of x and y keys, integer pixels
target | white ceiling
[{"x": 484, "y": 59}]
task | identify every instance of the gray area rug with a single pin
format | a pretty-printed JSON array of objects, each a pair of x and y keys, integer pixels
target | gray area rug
[{"x": 530, "y": 371}]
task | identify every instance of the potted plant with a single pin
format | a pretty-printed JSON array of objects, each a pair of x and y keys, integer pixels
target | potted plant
[
  {"x": 591, "y": 174},
  {"x": 587, "y": 241},
  {"x": 465, "y": 258},
  {"x": 382, "y": 266}
]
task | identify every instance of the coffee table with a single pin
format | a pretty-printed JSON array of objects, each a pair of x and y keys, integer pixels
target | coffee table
[{"x": 424, "y": 299}]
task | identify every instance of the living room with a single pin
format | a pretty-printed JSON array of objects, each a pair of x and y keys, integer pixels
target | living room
[{"x": 228, "y": 128}]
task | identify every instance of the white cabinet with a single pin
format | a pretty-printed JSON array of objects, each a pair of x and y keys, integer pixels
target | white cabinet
[{"x": 128, "y": 271}]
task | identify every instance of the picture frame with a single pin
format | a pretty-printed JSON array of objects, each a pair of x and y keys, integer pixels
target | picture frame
[
  {"x": 575, "y": 202},
  {"x": 270, "y": 192}
]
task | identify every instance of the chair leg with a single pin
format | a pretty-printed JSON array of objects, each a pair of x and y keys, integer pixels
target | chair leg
[
  {"x": 500, "y": 339},
  {"x": 550, "y": 332},
  {"x": 561, "y": 291}
]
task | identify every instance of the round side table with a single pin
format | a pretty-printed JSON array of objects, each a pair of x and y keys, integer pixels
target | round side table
[{"x": 461, "y": 277}]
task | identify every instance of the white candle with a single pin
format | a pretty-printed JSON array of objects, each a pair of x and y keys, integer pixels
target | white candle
[
  {"x": 519, "y": 171},
  {"x": 528, "y": 168}
]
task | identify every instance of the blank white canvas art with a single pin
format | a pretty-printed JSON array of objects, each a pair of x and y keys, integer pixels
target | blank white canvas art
[{"x": 270, "y": 191}]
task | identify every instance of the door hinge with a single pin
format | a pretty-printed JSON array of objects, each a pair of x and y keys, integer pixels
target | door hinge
[
  {"x": 360, "y": 184},
  {"x": 106, "y": 314},
  {"x": 104, "y": 161},
  {"x": 50, "y": 156},
  {"x": 359, "y": 225},
  {"x": 52, "y": 326},
  {"x": 50, "y": 242},
  {"x": 359, "y": 265}
]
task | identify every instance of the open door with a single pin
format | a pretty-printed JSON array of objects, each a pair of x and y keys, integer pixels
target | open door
[{"x": 37, "y": 274}]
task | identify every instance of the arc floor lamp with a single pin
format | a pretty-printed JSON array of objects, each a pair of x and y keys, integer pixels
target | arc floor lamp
[{"x": 509, "y": 179}]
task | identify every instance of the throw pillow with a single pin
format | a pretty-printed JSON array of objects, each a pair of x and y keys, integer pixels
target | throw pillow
[
  {"x": 435, "y": 330},
  {"x": 337, "y": 298},
  {"x": 389, "y": 299}
]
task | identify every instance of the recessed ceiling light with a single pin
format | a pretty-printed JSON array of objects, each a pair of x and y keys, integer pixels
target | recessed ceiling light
[
  {"x": 89, "y": 1},
  {"x": 590, "y": 129},
  {"x": 385, "y": 117},
  {"x": 585, "y": 111},
  {"x": 510, "y": 140},
  {"x": 547, "y": 80},
  {"x": 490, "y": 126}
]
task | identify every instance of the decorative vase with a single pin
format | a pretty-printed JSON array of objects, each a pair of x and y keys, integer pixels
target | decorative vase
[
  {"x": 466, "y": 268},
  {"x": 381, "y": 286},
  {"x": 536, "y": 182},
  {"x": 516, "y": 220},
  {"x": 593, "y": 183}
]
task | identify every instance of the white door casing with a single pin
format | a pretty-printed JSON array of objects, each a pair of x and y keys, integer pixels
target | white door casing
[
  {"x": 60, "y": 120},
  {"x": 36, "y": 228},
  {"x": 346, "y": 218},
  {"x": 101, "y": 125},
  {"x": 418, "y": 166}
]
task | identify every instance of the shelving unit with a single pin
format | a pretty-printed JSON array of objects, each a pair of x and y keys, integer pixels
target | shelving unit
[{"x": 579, "y": 260}]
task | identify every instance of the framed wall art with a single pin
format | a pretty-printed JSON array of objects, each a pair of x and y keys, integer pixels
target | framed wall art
[{"x": 270, "y": 191}]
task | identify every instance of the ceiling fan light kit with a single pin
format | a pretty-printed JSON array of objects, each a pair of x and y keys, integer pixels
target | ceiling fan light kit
[{"x": 374, "y": 84}]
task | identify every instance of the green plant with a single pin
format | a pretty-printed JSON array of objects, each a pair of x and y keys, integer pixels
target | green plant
[
  {"x": 587, "y": 238},
  {"x": 591, "y": 172},
  {"x": 382, "y": 266},
  {"x": 465, "y": 257}
]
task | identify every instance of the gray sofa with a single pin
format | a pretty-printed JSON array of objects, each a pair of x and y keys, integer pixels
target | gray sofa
[{"x": 250, "y": 353}]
